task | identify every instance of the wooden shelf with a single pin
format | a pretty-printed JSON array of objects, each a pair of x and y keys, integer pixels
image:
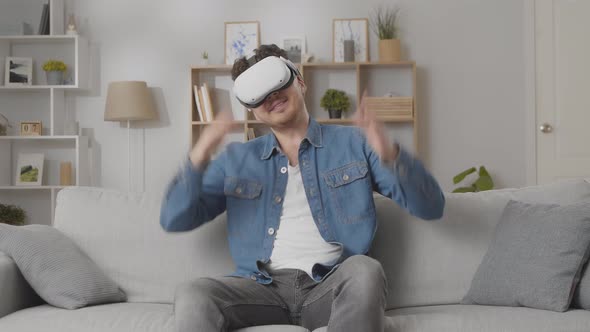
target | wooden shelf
[
  {"x": 28, "y": 39},
  {"x": 37, "y": 87}
]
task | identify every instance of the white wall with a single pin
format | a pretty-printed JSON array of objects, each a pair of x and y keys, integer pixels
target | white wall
[{"x": 470, "y": 75}]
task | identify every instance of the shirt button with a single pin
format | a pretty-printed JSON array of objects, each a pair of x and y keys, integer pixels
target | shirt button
[
  {"x": 278, "y": 199},
  {"x": 271, "y": 231},
  {"x": 283, "y": 170},
  {"x": 253, "y": 277},
  {"x": 345, "y": 177},
  {"x": 305, "y": 163},
  {"x": 238, "y": 190}
]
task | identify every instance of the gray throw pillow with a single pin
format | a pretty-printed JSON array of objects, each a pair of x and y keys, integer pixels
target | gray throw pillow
[
  {"x": 535, "y": 257},
  {"x": 582, "y": 295},
  {"x": 56, "y": 268}
]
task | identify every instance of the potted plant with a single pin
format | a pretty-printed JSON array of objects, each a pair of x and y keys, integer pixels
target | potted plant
[
  {"x": 12, "y": 215},
  {"x": 482, "y": 183},
  {"x": 54, "y": 70},
  {"x": 335, "y": 102},
  {"x": 384, "y": 22},
  {"x": 205, "y": 58}
]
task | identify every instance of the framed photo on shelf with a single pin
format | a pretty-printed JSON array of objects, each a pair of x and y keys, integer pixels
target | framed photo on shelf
[
  {"x": 241, "y": 38},
  {"x": 31, "y": 128},
  {"x": 353, "y": 31},
  {"x": 29, "y": 169},
  {"x": 295, "y": 47},
  {"x": 18, "y": 71}
]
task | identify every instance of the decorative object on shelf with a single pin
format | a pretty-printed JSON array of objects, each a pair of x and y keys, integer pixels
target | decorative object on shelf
[
  {"x": 336, "y": 102},
  {"x": 18, "y": 71},
  {"x": 348, "y": 50},
  {"x": 65, "y": 174},
  {"x": 4, "y": 125},
  {"x": 482, "y": 183},
  {"x": 308, "y": 58},
  {"x": 45, "y": 20},
  {"x": 295, "y": 48},
  {"x": 129, "y": 101},
  {"x": 355, "y": 29},
  {"x": 204, "y": 58},
  {"x": 31, "y": 128},
  {"x": 12, "y": 215},
  {"x": 384, "y": 22},
  {"x": 29, "y": 169},
  {"x": 55, "y": 69},
  {"x": 390, "y": 107},
  {"x": 71, "y": 30},
  {"x": 241, "y": 38}
]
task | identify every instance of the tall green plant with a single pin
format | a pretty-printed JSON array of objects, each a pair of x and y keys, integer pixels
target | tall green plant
[
  {"x": 384, "y": 22},
  {"x": 12, "y": 215},
  {"x": 482, "y": 183}
]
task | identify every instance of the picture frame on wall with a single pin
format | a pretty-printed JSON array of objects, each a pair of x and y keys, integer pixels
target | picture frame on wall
[
  {"x": 347, "y": 32},
  {"x": 29, "y": 169},
  {"x": 18, "y": 71},
  {"x": 241, "y": 38},
  {"x": 295, "y": 47},
  {"x": 31, "y": 128}
]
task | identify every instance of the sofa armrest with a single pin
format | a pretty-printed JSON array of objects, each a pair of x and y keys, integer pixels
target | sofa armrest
[{"x": 15, "y": 292}]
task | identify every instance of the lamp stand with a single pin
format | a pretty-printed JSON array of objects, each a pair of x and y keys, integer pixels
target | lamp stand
[{"x": 128, "y": 156}]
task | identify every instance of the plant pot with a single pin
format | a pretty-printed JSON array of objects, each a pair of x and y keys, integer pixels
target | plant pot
[
  {"x": 54, "y": 77},
  {"x": 389, "y": 50},
  {"x": 335, "y": 114}
]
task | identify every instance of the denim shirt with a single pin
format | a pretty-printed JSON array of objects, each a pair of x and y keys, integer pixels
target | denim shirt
[{"x": 340, "y": 171}]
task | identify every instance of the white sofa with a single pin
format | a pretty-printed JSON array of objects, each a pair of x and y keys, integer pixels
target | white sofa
[{"x": 429, "y": 265}]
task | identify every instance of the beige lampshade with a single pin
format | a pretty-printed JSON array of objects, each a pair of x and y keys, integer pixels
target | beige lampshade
[{"x": 129, "y": 100}]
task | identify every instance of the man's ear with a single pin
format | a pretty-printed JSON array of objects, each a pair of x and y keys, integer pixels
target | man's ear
[{"x": 302, "y": 84}]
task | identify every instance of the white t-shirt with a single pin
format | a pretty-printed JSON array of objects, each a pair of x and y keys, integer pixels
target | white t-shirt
[{"x": 298, "y": 243}]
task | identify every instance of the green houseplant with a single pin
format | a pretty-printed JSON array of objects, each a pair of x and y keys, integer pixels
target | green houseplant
[
  {"x": 482, "y": 183},
  {"x": 384, "y": 22},
  {"x": 54, "y": 69},
  {"x": 12, "y": 215},
  {"x": 335, "y": 102}
]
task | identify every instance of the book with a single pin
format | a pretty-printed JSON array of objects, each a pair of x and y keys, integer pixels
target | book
[
  {"x": 207, "y": 102},
  {"x": 198, "y": 102},
  {"x": 44, "y": 19},
  {"x": 251, "y": 134}
]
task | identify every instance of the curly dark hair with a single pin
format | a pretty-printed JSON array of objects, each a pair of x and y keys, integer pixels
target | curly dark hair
[{"x": 241, "y": 64}]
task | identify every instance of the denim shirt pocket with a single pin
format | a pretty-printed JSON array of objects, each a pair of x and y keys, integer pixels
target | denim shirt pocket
[
  {"x": 243, "y": 206},
  {"x": 242, "y": 188},
  {"x": 351, "y": 192}
]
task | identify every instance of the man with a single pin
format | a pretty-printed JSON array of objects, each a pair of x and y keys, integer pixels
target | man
[{"x": 300, "y": 210}]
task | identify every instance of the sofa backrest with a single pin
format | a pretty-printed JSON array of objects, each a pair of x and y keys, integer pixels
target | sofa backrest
[
  {"x": 426, "y": 262},
  {"x": 122, "y": 234},
  {"x": 433, "y": 262}
]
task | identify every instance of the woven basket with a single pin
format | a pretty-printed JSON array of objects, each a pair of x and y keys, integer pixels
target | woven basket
[{"x": 391, "y": 108}]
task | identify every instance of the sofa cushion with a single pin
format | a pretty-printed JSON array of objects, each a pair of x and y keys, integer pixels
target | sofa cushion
[
  {"x": 119, "y": 317},
  {"x": 56, "y": 268},
  {"x": 121, "y": 232},
  {"x": 582, "y": 296},
  {"x": 446, "y": 253},
  {"x": 469, "y": 318},
  {"x": 535, "y": 257}
]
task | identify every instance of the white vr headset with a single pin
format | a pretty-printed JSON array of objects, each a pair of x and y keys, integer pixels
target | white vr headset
[{"x": 262, "y": 79}]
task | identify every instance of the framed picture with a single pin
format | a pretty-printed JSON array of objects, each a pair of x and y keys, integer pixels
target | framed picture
[
  {"x": 29, "y": 169},
  {"x": 295, "y": 47},
  {"x": 31, "y": 128},
  {"x": 241, "y": 38},
  {"x": 355, "y": 30},
  {"x": 18, "y": 71}
]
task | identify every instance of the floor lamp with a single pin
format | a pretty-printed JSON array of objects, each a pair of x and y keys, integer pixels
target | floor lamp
[{"x": 129, "y": 101}]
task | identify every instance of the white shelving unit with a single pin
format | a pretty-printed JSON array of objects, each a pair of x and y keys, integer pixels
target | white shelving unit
[{"x": 45, "y": 103}]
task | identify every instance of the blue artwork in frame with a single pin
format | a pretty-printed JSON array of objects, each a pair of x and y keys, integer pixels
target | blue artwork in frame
[{"x": 241, "y": 38}]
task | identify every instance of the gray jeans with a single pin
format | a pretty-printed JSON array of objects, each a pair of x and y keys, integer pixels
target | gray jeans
[{"x": 352, "y": 298}]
